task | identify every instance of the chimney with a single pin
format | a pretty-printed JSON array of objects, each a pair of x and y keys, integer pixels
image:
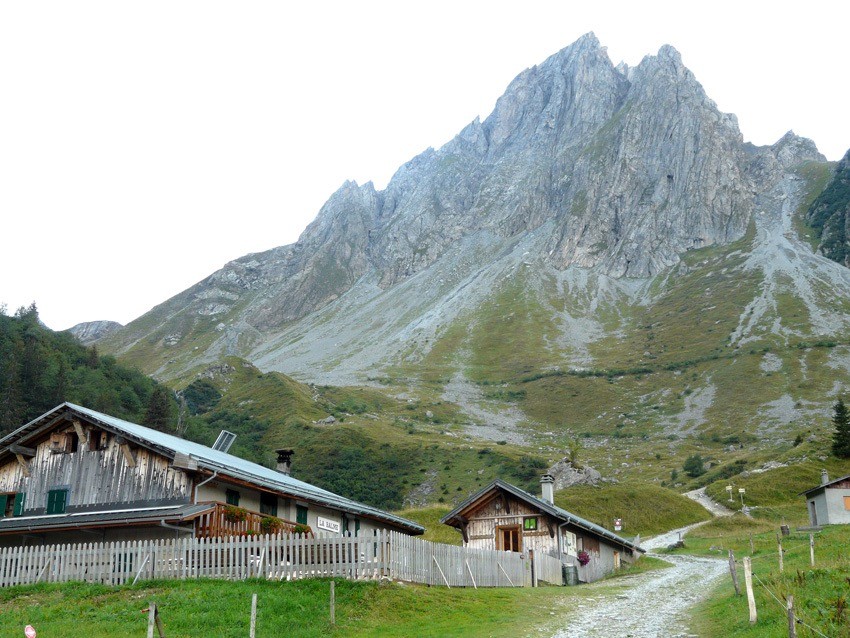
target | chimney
[
  {"x": 824, "y": 477},
  {"x": 547, "y": 488},
  {"x": 284, "y": 461}
]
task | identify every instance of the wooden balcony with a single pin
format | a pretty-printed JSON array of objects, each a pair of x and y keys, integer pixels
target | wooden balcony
[{"x": 227, "y": 520}]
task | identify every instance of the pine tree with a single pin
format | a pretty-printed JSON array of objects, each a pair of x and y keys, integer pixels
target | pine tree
[
  {"x": 158, "y": 414},
  {"x": 841, "y": 435}
]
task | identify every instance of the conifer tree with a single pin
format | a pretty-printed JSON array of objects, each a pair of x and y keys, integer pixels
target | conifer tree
[
  {"x": 841, "y": 434},
  {"x": 158, "y": 414}
]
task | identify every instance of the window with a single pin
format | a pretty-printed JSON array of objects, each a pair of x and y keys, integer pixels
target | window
[
  {"x": 268, "y": 504},
  {"x": 508, "y": 538},
  {"x": 71, "y": 442},
  {"x": 301, "y": 514},
  {"x": 529, "y": 524},
  {"x": 232, "y": 497},
  {"x": 56, "y": 501},
  {"x": 98, "y": 440},
  {"x": 9, "y": 504},
  {"x": 569, "y": 544}
]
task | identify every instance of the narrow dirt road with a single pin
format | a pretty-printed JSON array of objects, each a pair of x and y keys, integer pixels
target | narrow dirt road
[{"x": 650, "y": 605}]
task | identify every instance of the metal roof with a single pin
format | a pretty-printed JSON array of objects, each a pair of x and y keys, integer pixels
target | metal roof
[
  {"x": 213, "y": 460},
  {"x": 553, "y": 510},
  {"x": 825, "y": 485},
  {"x": 107, "y": 518}
]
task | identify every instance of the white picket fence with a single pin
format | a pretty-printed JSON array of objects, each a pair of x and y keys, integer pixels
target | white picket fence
[{"x": 384, "y": 555}]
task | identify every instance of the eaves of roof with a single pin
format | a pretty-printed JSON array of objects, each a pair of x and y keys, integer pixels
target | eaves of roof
[{"x": 210, "y": 460}]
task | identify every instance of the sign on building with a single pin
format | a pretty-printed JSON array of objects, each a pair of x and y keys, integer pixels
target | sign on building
[{"x": 329, "y": 525}]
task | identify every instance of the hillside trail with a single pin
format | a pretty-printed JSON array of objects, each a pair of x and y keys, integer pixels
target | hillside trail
[{"x": 653, "y": 604}]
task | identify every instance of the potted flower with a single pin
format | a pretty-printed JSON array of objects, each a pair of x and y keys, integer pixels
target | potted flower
[
  {"x": 233, "y": 514},
  {"x": 300, "y": 528},
  {"x": 583, "y": 558},
  {"x": 270, "y": 524}
]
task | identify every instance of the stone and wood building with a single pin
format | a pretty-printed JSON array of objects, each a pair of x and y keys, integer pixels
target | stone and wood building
[
  {"x": 77, "y": 475},
  {"x": 503, "y": 517}
]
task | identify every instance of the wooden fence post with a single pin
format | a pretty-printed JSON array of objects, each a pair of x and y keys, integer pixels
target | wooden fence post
[
  {"x": 781, "y": 557},
  {"x": 752, "y": 549},
  {"x": 253, "y": 630},
  {"x": 154, "y": 621},
  {"x": 812, "y": 548},
  {"x": 748, "y": 582},
  {"x": 792, "y": 621},
  {"x": 151, "y": 619},
  {"x": 333, "y": 604},
  {"x": 734, "y": 571}
]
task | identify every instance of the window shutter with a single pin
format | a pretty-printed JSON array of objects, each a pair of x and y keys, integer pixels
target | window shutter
[
  {"x": 300, "y": 514},
  {"x": 20, "y": 501},
  {"x": 4, "y": 498}
]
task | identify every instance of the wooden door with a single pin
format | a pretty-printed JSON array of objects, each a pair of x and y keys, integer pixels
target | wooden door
[{"x": 509, "y": 538}]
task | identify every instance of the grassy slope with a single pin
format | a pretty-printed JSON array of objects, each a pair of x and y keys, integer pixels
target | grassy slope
[
  {"x": 644, "y": 509},
  {"x": 820, "y": 593},
  {"x": 297, "y": 609}
]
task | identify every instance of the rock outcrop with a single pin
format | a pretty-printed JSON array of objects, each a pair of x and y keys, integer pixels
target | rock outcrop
[{"x": 93, "y": 331}]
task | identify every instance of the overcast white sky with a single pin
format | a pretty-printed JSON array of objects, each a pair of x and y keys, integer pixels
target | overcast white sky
[{"x": 145, "y": 144}]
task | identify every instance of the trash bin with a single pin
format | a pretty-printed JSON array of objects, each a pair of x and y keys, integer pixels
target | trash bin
[{"x": 570, "y": 573}]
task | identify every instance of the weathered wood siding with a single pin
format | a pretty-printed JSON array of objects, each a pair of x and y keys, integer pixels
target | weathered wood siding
[
  {"x": 504, "y": 510},
  {"x": 94, "y": 478},
  {"x": 507, "y": 511}
]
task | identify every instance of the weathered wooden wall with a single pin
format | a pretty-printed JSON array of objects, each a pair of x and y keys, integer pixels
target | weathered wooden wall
[
  {"x": 506, "y": 511},
  {"x": 94, "y": 477}
]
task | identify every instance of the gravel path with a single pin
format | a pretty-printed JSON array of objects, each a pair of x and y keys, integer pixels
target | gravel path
[{"x": 653, "y": 604}]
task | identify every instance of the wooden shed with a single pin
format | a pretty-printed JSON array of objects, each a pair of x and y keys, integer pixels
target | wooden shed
[{"x": 502, "y": 516}]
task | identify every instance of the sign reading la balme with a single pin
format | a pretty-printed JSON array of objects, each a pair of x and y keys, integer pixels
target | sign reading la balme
[{"x": 329, "y": 525}]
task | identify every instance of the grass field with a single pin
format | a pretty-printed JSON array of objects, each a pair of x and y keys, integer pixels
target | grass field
[
  {"x": 820, "y": 592},
  {"x": 221, "y": 609}
]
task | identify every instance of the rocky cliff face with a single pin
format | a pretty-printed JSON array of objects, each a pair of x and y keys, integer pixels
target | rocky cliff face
[
  {"x": 93, "y": 331},
  {"x": 597, "y": 177}
]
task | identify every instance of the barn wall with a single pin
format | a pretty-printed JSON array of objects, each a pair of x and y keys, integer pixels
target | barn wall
[{"x": 94, "y": 479}]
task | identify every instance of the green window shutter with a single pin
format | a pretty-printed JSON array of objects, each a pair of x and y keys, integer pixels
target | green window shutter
[
  {"x": 232, "y": 497},
  {"x": 357, "y": 527},
  {"x": 300, "y": 514},
  {"x": 4, "y": 498},
  {"x": 20, "y": 501},
  {"x": 56, "y": 501}
]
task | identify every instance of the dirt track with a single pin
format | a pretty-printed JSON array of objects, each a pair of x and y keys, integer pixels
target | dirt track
[{"x": 649, "y": 605}]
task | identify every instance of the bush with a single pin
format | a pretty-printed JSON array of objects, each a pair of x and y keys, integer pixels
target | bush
[{"x": 694, "y": 466}]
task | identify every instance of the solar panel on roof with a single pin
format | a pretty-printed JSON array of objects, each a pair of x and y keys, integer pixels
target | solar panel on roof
[{"x": 224, "y": 441}]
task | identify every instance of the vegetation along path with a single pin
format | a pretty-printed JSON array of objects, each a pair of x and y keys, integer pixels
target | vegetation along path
[{"x": 652, "y": 604}]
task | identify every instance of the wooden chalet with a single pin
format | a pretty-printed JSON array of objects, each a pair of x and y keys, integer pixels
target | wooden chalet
[
  {"x": 504, "y": 517},
  {"x": 76, "y": 475}
]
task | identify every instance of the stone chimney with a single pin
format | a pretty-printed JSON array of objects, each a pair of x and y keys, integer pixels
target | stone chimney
[
  {"x": 824, "y": 477},
  {"x": 284, "y": 461},
  {"x": 547, "y": 488}
]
